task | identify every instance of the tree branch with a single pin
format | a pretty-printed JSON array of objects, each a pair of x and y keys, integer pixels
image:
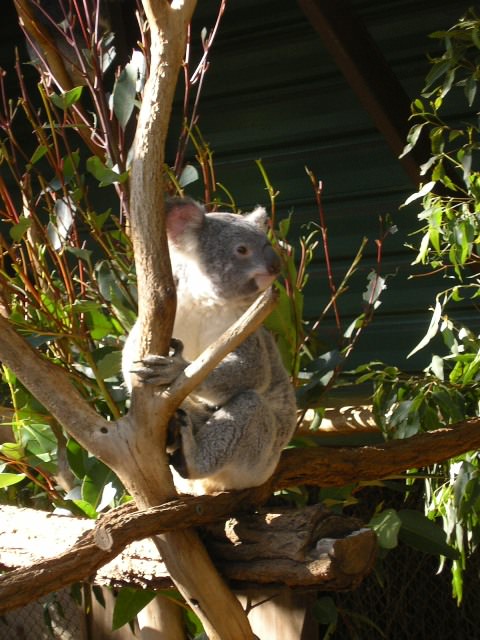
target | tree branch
[
  {"x": 297, "y": 547},
  {"x": 332, "y": 467},
  {"x": 198, "y": 370},
  {"x": 323, "y": 466},
  {"x": 52, "y": 387},
  {"x": 53, "y": 63}
]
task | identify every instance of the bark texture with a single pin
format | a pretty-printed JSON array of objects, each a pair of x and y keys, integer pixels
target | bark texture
[{"x": 308, "y": 547}]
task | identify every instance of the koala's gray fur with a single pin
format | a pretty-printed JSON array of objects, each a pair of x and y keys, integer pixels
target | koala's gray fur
[{"x": 235, "y": 425}]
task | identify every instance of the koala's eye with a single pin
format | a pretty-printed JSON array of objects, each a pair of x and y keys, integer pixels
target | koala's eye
[{"x": 241, "y": 249}]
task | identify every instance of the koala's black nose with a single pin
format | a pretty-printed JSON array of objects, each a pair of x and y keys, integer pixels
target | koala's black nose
[{"x": 272, "y": 260}]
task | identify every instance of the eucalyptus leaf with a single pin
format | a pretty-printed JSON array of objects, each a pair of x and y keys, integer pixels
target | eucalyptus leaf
[
  {"x": 18, "y": 230},
  {"x": 129, "y": 602},
  {"x": 386, "y": 525},
  {"x": 124, "y": 94},
  {"x": 38, "y": 154},
  {"x": 7, "y": 479},
  {"x": 104, "y": 174},
  {"x": 426, "y": 188},
  {"x": 109, "y": 365},
  {"x": 421, "y": 533},
  {"x": 432, "y": 329},
  {"x": 66, "y": 99},
  {"x": 188, "y": 175}
]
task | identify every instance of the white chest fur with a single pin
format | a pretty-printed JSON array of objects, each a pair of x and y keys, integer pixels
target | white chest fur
[
  {"x": 197, "y": 325},
  {"x": 201, "y": 316}
]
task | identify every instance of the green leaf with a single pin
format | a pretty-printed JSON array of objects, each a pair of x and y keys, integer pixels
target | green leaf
[
  {"x": 188, "y": 175},
  {"x": 38, "y": 439},
  {"x": 128, "y": 604},
  {"x": 7, "y": 479},
  {"x": 109, "y": 365},
  {"x": 39, "y": 152},
  {"x": 101, "y": 326},
  {"x": 386, "y": 525},
  {"x": 77, "y": 458},
  {"x": 81, "y": 254},
  {"x": 104, "y": 174},
  {"x": 437, "y": 70},
  {"x": 432, "y": 329},
  {"x": 98, "y": 475},
  {"x": 18, "y": 230},
  {"x": 70, "y": 165},
  {"x": 412, "y": 138},
  {"x": 421, "y": 533},
  {"x": 66, "y": 99},
  {"x": 12, "y": 450},
  {"x": 124, "y": 93},
  {"x": 86, "y": 508}
]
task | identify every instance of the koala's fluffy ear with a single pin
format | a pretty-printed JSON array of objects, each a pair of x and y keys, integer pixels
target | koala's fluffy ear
[
  {"x": 184, "y": 218},
  {"x": 258, "y": 217}
]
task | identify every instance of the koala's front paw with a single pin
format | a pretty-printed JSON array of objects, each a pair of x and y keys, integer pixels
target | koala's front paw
[{"x": 161, "y": 370}]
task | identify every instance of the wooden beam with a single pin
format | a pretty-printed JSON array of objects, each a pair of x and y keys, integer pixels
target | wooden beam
[{"x": 367, "y": 72}]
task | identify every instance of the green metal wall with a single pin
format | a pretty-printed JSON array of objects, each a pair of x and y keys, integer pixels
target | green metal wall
[{"x": 273, "y": 92}]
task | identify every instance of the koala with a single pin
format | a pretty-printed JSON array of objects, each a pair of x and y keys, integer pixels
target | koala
[{"x": 230, "y": 432}]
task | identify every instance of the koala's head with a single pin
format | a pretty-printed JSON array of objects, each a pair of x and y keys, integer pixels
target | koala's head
[{"x": 231, "y": 251}]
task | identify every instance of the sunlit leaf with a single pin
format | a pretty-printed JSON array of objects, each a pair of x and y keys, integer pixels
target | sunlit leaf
[
  {"x": 188, "y": 175},
  {"x": 129, "y": 602},
  {"x": 376, "y": 284},
  {"x": 18, "y": 230},
  {"x": 426, "y": 188},
  {"x": 386, "y": 525},
  {"x": 432, "y": 329},
  {"x": 104, "y": 174},
  {"x": 7, "y": 479}
]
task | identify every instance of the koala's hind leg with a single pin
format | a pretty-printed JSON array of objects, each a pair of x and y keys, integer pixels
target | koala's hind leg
[{"x": 234, "y": 446}]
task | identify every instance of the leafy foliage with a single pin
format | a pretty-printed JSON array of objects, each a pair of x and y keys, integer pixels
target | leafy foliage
[{"x": 449, "y": 228}]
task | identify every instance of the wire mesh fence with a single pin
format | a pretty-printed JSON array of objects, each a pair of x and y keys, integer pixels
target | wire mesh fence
[
  {"x": 56, "y": 617},
  {"x": 411, "y": 600}
]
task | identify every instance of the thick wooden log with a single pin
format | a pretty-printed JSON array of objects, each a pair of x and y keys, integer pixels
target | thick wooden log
[
  {"x": 296, "y": 547},
  {"x": 307, "y": 547}
]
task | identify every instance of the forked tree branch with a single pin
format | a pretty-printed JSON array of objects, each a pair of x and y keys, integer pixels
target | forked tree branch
[{"x": 52, "y": 387}]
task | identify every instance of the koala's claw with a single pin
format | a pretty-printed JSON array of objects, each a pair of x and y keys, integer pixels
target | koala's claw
[
  {"x": 154, "y": 370},
  {"x": 161, "y": 370},
  {"x": 176, "y": 347}
]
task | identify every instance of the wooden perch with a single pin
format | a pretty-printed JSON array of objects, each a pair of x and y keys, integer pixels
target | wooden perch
[
  {"x": 328, "y": 466},
  {"x": 307, "y": 547},
  {"x": 323, "y": 466},
  {"x": 297, "y": 547}
]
